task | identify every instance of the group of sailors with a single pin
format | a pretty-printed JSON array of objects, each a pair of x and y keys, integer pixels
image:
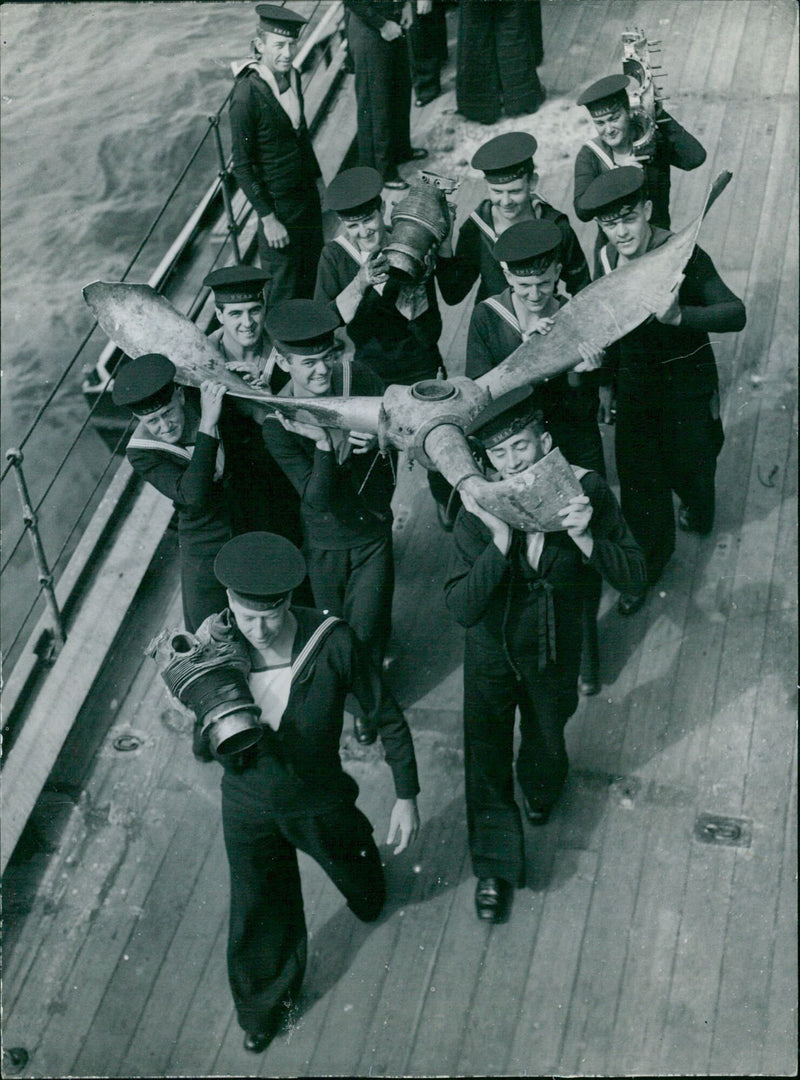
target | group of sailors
[{"x": 254, "y": 488}]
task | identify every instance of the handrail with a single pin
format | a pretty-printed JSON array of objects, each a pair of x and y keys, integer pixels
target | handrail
[{"x": 321, "y": 29}]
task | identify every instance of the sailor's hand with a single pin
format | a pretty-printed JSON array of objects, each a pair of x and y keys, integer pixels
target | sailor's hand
[
  {"x": 391, "y": 30},
  {"x": 538, "y": 326},
  {"x": 361, "y": 441},
  {"x": 500, "y": 530},
  {"x": 315, "y": 432},
  {"x": 374, "y": 271},
  {"x": 446, "y": 246},
  {"x": 592, "y": 357},
  {"x": 244, "y": 368},
  {"x": 666, "y": 309},
  {"x": 404, "y": 823},
  {"x": 274, "y": 231},
  {"x": 407, "y": 15},
  {"x": 211, "y": 395},
  {"x": 424, "y": 7},
  {"x": 575, "y": 517},
  {"x": 607, "y": 413}
]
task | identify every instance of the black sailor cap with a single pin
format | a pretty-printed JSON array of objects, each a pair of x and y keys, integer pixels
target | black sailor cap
[
  {"x": 145, "y": 383},
  {"x": 522, "y": 247},
  {"x": 506, "y": 157},
  {"x": 237, "y": 284},
  {"x": 613, "y": 190},
  {"x": 354, "y": 192},
  {"x": 603, "y": 94},
  {"x": 279, "y": 20},
  {"x": 302, "y": 326},
  {"x": 504, "y": 417},
  {"x": 259, "y": 567}
]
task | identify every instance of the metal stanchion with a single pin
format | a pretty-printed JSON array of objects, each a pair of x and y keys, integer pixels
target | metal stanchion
[
  {"x": 233, "y": 229},
  {"x": 15, "y": 458}
]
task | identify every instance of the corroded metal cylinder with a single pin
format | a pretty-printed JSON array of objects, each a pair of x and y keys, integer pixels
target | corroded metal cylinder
[
  {"x": 211, "y": 679},
  {"x": 420, "y": 221}
]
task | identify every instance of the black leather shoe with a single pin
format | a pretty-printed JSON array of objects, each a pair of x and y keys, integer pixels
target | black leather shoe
[
  {"x": 629, "y": 603},
  {"x": 426, "y": 99},
  {"x": 417, "y": 154},
  {"x": 364, "y": 732},
  {"x": 535, "y": 817},
  {"x": 589, "y": 684},
  {"x": 257, "y": 1044},
  {"x": 395, "y": 183},
  {"x": 493, "y": 896}
]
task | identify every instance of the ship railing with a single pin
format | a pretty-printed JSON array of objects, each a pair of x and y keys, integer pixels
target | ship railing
[{"x": 320, "y": 59}]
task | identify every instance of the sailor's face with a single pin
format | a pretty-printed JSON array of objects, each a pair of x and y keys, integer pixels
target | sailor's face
[
  {"x": 535, "y": 290},
  {"x": 277, "y": 52},
  {"x": 369, "y": 233},
  {"x": 613, "y": 126},
  {"x": 261, "y": 628},
  {"x": 311, "y": 375},
  {"x": 242, "y": 322},
  {"x": 167, "y": 422},
  {"x": 512, "y": 200},
  {"x": 519, "y": 451},
  {"x": 629, "y": 230}
]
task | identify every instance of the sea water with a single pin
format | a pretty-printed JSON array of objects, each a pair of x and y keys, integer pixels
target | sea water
[{"x": 102, "y": 103}]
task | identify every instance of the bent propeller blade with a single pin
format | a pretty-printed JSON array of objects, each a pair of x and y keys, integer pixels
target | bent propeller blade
[
  {"x": 139, "y": 320},
  {"x": 603, "y": 312}
]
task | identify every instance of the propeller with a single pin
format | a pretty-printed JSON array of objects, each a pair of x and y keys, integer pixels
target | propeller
[{"x": 429, "y": 418}]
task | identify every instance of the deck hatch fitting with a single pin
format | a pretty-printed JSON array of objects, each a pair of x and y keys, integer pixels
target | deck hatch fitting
[{"x": 723, "y": 831}]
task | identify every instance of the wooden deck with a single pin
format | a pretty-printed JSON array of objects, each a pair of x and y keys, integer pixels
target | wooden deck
[{"x": 636, "y": 948}]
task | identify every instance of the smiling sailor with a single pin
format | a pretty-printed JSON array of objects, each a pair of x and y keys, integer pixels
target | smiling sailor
[
  {"x": 520, "y": 597},
  {"x": 273, "y": 159},
  {"x": 177, "y": 449},
  {"x": 261, "y": 496}
]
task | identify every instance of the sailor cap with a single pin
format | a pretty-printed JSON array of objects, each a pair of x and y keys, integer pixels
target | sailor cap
[
  {"x": 237, "y": 284},
  {"x": 603, "y": 94},
  {"x": 354, "y": 192},
  {"x": 506, "y": 157},
  {"x": 144, "y": 384},
  {"x": 613, "y": 190},
  {"x": 260, "y": 568},
  {"x": 522, "y": 247},
  {"x": 504, "y": 417},
  {"x": 279, "y": 20},
  {"x": 302, "y": 326}
]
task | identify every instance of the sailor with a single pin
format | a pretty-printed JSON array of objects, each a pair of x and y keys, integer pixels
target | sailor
[
  {"x": 273, "y": 160},
  {"x": 289, "y": 793},
  {"x": 668, "y": 432},
  {"x": 177, "y": 449},
  {"x": 376, "y": 37},
  {"x": 262, "y": 496},
  {"x": 345, "y": 484},
  {"x": 607, "y": 103},
  {"x": 519, "y": 596},
  {"x": 507, "y": 162},
  {"x": 529, "y": 253},
  {"x": 394, "y": 330}
]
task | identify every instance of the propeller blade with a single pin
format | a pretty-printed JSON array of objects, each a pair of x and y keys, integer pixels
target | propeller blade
[
  {"x": 139, "y": 320},
  {"x": 603, "y": 312},
  {"x": 529, "y": 501}
]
